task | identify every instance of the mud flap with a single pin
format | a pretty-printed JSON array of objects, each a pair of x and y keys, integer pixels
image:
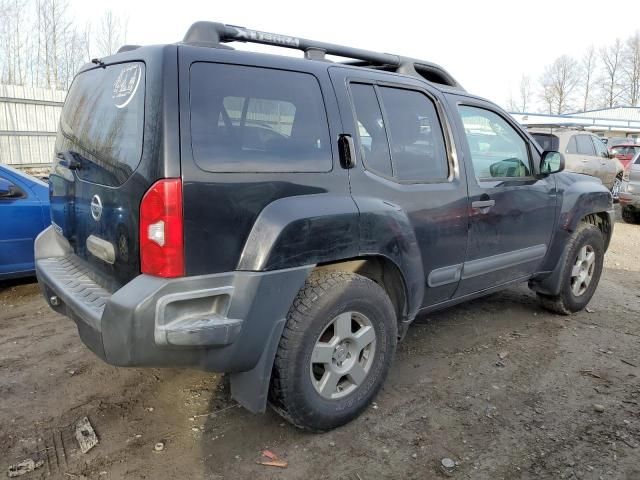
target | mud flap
[
  {"x": 251, "y": 389},
  {"x": 552, "y": 283}
]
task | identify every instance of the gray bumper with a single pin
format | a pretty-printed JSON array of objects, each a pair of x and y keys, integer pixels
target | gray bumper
[
  {"x": 630, "y": 199},
  {"x": 221, "y": 322}
]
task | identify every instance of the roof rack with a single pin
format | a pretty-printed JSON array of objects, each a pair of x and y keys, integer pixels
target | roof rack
[
  {"x": 214, "y": 34},
  {"x": 558, "y": 125}
]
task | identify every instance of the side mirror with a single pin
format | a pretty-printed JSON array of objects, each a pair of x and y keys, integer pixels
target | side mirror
[
  {"x": 551, "y": 162},
  {"x": 611, "y": 154},
  {"x": 8, "y": 189}
]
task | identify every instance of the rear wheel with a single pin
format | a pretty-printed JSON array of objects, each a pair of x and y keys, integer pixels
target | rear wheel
[
  {"x": 580, "y": 273},
  {"x": 630, "y": 216},
  {"x": 335, "y": 351}
]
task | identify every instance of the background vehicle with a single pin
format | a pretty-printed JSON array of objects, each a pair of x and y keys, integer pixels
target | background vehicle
[
  {"x": 625, "y": 152},
  {"x": 630, "y": 191},
  {"x": 24, "y": 213},
  {"x": 615, "y": 141},
  {"x": 584, "y": 153},
  {"x": 286, "y": 222}
]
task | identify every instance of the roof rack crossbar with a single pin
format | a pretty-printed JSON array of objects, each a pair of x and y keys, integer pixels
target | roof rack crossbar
[{"x": 214, "y": 34}]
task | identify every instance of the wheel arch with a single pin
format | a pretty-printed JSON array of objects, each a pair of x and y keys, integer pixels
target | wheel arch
[
  {"x": 386, "y": 273},
  {"x": 550, "y": 281}
]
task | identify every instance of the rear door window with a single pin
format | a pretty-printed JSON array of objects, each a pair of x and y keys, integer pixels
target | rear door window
[
  {"x": 417, "y": 143},
  {"x": 251, "y": 119},
  {"x": 585, "y": 145},
  {"x": 572, "y": 146}
]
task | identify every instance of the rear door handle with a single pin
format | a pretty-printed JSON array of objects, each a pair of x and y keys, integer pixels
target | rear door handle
[{"x": 483, "y": 204}]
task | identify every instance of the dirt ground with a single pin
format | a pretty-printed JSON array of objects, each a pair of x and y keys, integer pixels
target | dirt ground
[{"x": 499, "y": 386}]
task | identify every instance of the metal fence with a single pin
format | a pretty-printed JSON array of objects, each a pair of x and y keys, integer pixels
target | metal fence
[{"x": 28, "y": 124}]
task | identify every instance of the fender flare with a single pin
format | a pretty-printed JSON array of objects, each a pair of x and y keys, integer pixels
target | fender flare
[
  {"x": 579, "y": 200},
  {"x": 301, "y": 230}
]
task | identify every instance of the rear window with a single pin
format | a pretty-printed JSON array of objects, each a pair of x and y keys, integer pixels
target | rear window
[
  {"x": 102, "y": 122},
  {"x": 547, "y": 141},
  {"x": 250, "y": 119}
]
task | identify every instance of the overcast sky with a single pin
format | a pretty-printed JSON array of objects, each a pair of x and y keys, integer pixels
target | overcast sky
[{"x": 486, "y": 44}]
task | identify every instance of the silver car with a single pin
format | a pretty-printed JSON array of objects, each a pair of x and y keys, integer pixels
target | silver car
[
  {"x": 584, "y": 152},
  {"x": 630, "y": 192}
]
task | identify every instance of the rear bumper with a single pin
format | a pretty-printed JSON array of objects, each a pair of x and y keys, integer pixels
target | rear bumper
[{"x": 219, "y": 322}]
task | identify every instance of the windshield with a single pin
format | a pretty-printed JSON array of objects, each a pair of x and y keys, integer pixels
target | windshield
[
  {"x": 102, "y": 122},
  {"x": 547, "y": 141}
]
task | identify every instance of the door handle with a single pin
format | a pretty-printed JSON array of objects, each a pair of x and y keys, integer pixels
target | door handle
[
  {"x": 480, "y": 204},
  {"x": 347, "y": 151}
]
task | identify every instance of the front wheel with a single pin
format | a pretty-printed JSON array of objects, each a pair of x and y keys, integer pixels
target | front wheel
[
  {"x": 580, "y": 273},
  {"x": 335, "y": 351}
]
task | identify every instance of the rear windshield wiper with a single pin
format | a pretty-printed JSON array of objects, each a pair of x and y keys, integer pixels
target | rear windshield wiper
[{"x": 67, "y": 160}]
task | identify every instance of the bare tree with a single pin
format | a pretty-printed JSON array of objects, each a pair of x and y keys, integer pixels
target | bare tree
[
  {"x": 588, "y": 65},
  {"x": 612, "y": 65},
  {"x": 13, "y": 41},
  {"x": 87, "y": 41},
  {"x": 112, "y": 33},
  {"x": 72, "y": 57},
  {"x": 61, "y": 48},
  {"x": 512, "y": 105},
  {"x": 559, "y": 82},
  {"x": 525, "y": 92},
  {"x": 632, "y": 70}
]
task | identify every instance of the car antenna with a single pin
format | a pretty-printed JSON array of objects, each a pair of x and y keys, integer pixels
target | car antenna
[{"x": 97, "y": 61}]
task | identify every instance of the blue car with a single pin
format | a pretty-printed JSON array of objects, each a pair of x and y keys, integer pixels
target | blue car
[{"x": 24, "y": 213}]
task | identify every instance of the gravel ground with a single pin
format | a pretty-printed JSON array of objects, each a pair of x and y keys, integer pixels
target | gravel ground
[{"x": 499, "y": 386}]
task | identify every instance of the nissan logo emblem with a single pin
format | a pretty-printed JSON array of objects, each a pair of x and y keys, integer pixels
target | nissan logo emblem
[{"x": 96, "y": 207}]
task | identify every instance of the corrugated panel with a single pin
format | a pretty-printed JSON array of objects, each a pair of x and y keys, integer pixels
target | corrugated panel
[
  {"x": 32, "y": 93},
  {"x": 26, "y": 150},
  {"x": 28, "y": 118},
  {"x": 33, "y": 110}
]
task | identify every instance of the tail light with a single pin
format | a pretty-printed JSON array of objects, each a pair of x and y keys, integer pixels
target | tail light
[{"x": 161, "y": 229}]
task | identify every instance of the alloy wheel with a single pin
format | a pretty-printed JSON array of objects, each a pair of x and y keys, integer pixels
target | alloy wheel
[
  {"x": 342, "y": 355},
  {"x": 582, "y": 271}
]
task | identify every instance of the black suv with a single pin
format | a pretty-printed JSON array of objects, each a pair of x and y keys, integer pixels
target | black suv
[{"x": 285, "y": 219}]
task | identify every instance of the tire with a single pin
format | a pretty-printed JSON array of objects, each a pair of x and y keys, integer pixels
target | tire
[
  {"x": 318, "y": 318},
  {"x": 629, "y": 216},
  {"x": 586, "y": 239}
]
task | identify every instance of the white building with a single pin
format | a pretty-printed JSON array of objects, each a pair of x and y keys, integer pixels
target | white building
[{"x": 608, "y": 122}]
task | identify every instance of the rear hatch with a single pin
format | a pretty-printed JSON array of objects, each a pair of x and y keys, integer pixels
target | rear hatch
[{"x": 94, "y": 187}]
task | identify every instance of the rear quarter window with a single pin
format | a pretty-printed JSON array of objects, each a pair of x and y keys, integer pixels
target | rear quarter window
[
  {"x": 252, "y": 119},
  {"x": 547, "y": 141}
]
